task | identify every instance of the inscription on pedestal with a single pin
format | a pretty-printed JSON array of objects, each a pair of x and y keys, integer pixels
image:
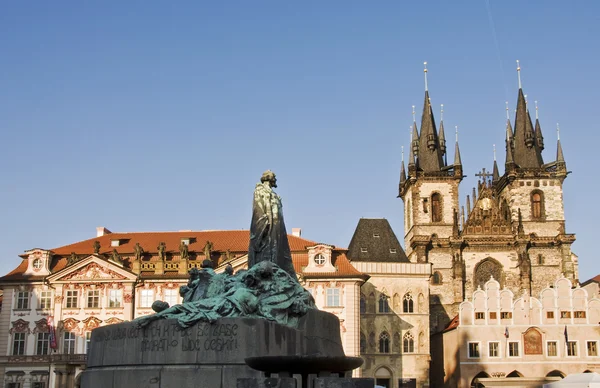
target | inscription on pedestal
[{"x": 203, "y": 337}]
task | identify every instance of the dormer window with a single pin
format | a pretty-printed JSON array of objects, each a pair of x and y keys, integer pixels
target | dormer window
[
  {"x": 37, "y": 264},
  {"x": 319, "y": 259},
  {"x": 392, "y": 250},
  {"x": 363, "y": 250},
  {"x": 115, "y": 243},
  {"x": 185, "y": 241},
  {"x": 376, "y": 235}
]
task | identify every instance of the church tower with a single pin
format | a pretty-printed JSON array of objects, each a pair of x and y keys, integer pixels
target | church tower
[
  {"x": 513, "y": 229},
  {"x": 430, "y": 194}
]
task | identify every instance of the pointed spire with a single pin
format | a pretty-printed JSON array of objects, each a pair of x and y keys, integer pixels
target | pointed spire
[
  {"x": 469, "y": 205},
  {"x": 559, "y": 152},
  {"x": 495, "y": 173},
  {"x": 430, "y": 158},
  {"x": 442, "y": 136},
  {"x": 425, "y": 72},
  {"x": 457, "y": 160},
  {"x": 402, "y": 169},
  {"x": 526, "y": 152},
  {"x": 539, "y": 138},
  {"x": 520, "y": 229}
]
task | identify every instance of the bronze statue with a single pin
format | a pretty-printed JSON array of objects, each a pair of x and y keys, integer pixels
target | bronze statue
[
  {"x": 161, "y": 251},
  {"x": 268, "y": 237},
  {"x": 183, "y": 250},
  {"x": 139, "y": 251}
]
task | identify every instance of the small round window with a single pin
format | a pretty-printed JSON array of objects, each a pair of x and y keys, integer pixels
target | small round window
[
  {"x": 319, "y": 259},
  {"x": 37, "y": 263}
]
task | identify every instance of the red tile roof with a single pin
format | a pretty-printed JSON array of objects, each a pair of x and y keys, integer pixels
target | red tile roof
[{"x": 236, "y": 241}]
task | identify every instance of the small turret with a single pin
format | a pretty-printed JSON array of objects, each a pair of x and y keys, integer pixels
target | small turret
[
  {"x": 539, "y": 138},
  {"x": 442, "y": 136},
  {"x": 495, "y": 173}
]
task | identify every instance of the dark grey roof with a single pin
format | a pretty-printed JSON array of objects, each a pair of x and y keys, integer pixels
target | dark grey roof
[
  {"x": 525, "y": 156},
  {"x": 430, "y": 155},
  {"x": 374, "y": 240}
]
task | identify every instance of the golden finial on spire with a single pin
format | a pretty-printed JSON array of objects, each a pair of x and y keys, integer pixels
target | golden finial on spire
[
  {"x": 442, "y": 113},
  {"x": 557, "y": 132},
  {"x": 519, "y": 73},
  {"x": 494, "y": 152},
  {"x": 413, "y": 111},
  {"x": 425, "y": 71},
  {"x": 507, "y": 112},
  {"x": 536, "y": 111}
]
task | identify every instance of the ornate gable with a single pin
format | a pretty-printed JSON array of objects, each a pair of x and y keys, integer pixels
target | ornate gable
[
  {"x": 91, "y": 323},
  {"x": 93, "y": 269},
  {"x": 487, "y": 217}
]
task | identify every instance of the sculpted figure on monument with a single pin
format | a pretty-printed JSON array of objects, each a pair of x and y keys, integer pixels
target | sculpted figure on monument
[{"x": 268, "y": 237}]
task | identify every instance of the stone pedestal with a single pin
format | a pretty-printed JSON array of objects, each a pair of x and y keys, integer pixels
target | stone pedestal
[{"x": 162, "y": 355}]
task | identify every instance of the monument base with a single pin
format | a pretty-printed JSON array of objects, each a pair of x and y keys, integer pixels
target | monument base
[{"x": 163, "y": 355}]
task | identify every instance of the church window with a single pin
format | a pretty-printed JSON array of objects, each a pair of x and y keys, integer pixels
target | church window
[
  {"x": 504, "y": 210},
  {"x": 363, "y": 304},
  {"x": 436, "y": 207},
  {"x": 408, "y": 343},
  {"x": 384, "y": 306},
  {"x": 384, "y": 343},
  {"x": 537, "y": 204},
  {"x": 363, "y": 343},
  {"x": 425, "y": 205},
  {"x": 572, "y": 348},
  {"x": 408, "y": 303},
  {"x": 71, "y": 300},
  {"x": 436, "y": 278}
]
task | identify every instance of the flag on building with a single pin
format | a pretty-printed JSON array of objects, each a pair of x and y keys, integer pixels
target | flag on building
[
  {"x": 52, "y": 332},
  {"x": 506, "y": 332},
  {"x": 566, "y": 335}
]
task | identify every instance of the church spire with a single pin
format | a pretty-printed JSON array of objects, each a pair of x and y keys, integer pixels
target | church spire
[
  {"x": 442, "y": 136},
  {"x": 457, "y": 161},
  {"x": 495, "y": 173},
  {"x": 414, "y": 139},
  {"x": 539, "y": 138},
  {"x": 402, "y": 169},
  {"x": 430, "y": 154},
  {"x": 560, "y": 158},
  {"x": 527, "y": 153}
]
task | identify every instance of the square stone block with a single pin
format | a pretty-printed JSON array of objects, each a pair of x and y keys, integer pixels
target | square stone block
[
  {"x": 344, "y": 382},
  {"x": 266, "y": 382}
]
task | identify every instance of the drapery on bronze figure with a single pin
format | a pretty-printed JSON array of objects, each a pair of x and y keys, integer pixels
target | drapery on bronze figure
[{"x": 268, "y": 237}]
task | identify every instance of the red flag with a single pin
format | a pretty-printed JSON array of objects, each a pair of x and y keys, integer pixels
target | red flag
[
  {"x": 566, "y": 335},
  {"x": 52, "y": 332},
  {"x": 506, "y": 332}
]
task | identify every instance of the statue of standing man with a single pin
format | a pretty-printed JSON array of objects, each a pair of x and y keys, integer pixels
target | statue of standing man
[{"x": 268, "y": 238}]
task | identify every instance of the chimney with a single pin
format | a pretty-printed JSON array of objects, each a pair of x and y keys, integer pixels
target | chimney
[
  {"x": 297, "y": 232},
  {"x": 101, "y": 231}
]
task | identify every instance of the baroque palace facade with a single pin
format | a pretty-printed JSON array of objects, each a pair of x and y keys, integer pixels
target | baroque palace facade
[{"x": 480, "y": 293}]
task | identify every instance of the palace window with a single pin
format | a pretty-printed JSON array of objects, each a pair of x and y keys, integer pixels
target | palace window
[
  {"x": 436, "y": 278},
  {"x": 407, "y": 303},
  {"x": 115, "y": 298},
  {"x": 88, "y": 341},
  {"x": 565, "y": 314},
  {"x": 537, "y": 204},
  {"x": 71, "y": 299},
  {"x": 384, "y": 306},
  {"x": 319, "y": 259},
  {"x": 592, "y": 348},
  {"x": 505, "y": 315},
  {"x": 19, "y": 344},
  {"x": 550, "y": 314},
  {"x": 93, "y": 299},
  {"x": 408, "y": 343},
  {"x": 23, "y": 300},
  {"x": 363, "y": 304},
  {"x": 436, "y": 207},
  {"x": 37, "y": 264},
  {"x": 363, "y": 343},
  {"x": 513, "y": 349},
  {"x": 333, "y": 297},
  {"x": 579, "y": 314},
  {"x": 68, "y": 342},
  {"x": 146, "y": 298},
  {"x": 170, "y": 295},
  {"x": 572, "y": 348},
  {"x": 493, "y": 315},
  {"x": 473, "y": 349},
  {"x": 494, "y": 349},
  {"x": 384, "y": 343},
  {"x": 552, "y": 348},
  {"x": 42, "y": 344},
  {"x": 479, "y": 315},
  {"x": 45, "y": 299}
]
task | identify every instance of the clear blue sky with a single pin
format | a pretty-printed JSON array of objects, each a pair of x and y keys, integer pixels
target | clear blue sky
[{"x": 146, "y": 116}]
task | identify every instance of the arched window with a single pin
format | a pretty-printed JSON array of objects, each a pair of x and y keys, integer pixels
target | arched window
[
  {"x": 363, "y": 304},
  {"x": 363, "y": 343},
  {"x": 486, "y": 269},
  {"x": 514, "y": 373},
  {"x": 408, "y": 304},
  {"x": 475, "y": 382},
  {"x": 537, "y": 204},
  {"x": 436, "y": 207},
  {"x": 371, "y": 303},
  {"x": 384, "y": 306},
  {"x": 436, "y": 278},
  {"x": 408, "y": 343},
  {"x": 556, "y": 373},
  {"x": 384, "y": 343}
]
